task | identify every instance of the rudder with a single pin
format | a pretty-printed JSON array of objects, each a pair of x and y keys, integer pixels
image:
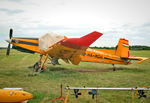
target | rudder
[{"x": 122, "y": 48}]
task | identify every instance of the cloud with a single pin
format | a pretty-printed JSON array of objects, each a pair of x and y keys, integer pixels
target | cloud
[
  {"x": 146, "y": 24},
  {"x": 136, "y": 34},
  {"x": 9, "y": 11},
  {"x": 13, "y": 0},
  {"x": 75, "y": 18}
]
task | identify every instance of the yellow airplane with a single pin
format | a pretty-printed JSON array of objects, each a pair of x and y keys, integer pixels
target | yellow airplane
[
  {"x": 14, "y": 96},
  {"x": 53, "y": 47}
]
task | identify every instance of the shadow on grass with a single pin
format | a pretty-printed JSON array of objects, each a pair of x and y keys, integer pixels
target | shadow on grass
[
  {"x": 60, "y": 70},
  {"x": 127, "y": 69},
  {"x": 93, "y": 70},
  {"x": 82, "y": 70}
]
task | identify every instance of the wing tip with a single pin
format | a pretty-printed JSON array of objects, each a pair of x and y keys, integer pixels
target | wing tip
[{"x": 96, "y": 32}]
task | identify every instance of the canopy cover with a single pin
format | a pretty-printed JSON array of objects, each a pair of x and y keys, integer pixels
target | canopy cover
[{"x": 48, "y": 40}]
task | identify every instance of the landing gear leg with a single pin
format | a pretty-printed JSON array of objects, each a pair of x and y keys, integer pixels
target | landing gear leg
[
  {"x": 43, "y": 61},
  {"x": 114, "y": 68},
  {"x": 40, "y": 65}
]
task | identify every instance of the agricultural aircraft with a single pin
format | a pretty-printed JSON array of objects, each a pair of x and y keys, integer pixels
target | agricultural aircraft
[{"x": 53, "y": 47}]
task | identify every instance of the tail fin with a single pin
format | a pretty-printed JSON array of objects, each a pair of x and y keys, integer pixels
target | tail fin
[{"x": 122, "y": 48}]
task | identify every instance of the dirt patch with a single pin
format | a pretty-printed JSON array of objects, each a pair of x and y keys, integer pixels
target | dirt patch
[
  {"x": 83, "y": 70},
  {"x": 92, "y": 70}
]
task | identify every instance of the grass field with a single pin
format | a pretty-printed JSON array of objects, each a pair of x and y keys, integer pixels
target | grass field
[{"x": 45, "y": 86}]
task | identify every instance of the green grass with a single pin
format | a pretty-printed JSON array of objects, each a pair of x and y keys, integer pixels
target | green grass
[{"x": 45, "y": 86}]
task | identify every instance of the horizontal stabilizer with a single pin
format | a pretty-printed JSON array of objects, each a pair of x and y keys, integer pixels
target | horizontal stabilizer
[{"x": 140, "y": 59}]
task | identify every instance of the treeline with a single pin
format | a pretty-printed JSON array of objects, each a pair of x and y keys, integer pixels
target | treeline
[
  {"x": 134, "y": 47},
  {"x": 139, "y": 47},
  {"x": 3, "y": 47}
]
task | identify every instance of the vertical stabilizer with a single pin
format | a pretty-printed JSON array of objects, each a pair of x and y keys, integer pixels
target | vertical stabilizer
[{"x": 122, "y": 48}]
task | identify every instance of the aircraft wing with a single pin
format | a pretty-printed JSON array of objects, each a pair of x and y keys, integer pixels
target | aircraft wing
[
  {"x": 35, "y": 45},
  {"x": 57, "y": 47},
  {"x": 70, "y": 49},
  {"x": 29, "y": 45}
]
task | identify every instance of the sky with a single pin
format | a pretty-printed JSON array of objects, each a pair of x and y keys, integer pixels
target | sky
[{"x": 129, "y": 19}]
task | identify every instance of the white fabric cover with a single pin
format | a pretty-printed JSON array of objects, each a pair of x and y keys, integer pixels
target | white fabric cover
[{"x": 48, "y": 40}]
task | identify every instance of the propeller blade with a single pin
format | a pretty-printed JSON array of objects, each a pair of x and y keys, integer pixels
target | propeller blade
[
  {"x": 10, "y": 33},
  {"x": 8, "y": 49},
  {"x": 10, "y": 36}
]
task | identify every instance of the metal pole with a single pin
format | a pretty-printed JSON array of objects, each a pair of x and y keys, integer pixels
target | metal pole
[{"x": 90, "y": 88}]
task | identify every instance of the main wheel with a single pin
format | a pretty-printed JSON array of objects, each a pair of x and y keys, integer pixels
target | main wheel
[{"x": 37, "y": 66}]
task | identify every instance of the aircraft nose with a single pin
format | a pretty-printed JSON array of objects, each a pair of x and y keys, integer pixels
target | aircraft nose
[
  {"x": 9, "y": 40},
  {"x": 27, "y": 95}
]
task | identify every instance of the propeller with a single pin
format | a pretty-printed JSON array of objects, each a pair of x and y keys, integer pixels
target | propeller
[{"x": 10, "y": 36}]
